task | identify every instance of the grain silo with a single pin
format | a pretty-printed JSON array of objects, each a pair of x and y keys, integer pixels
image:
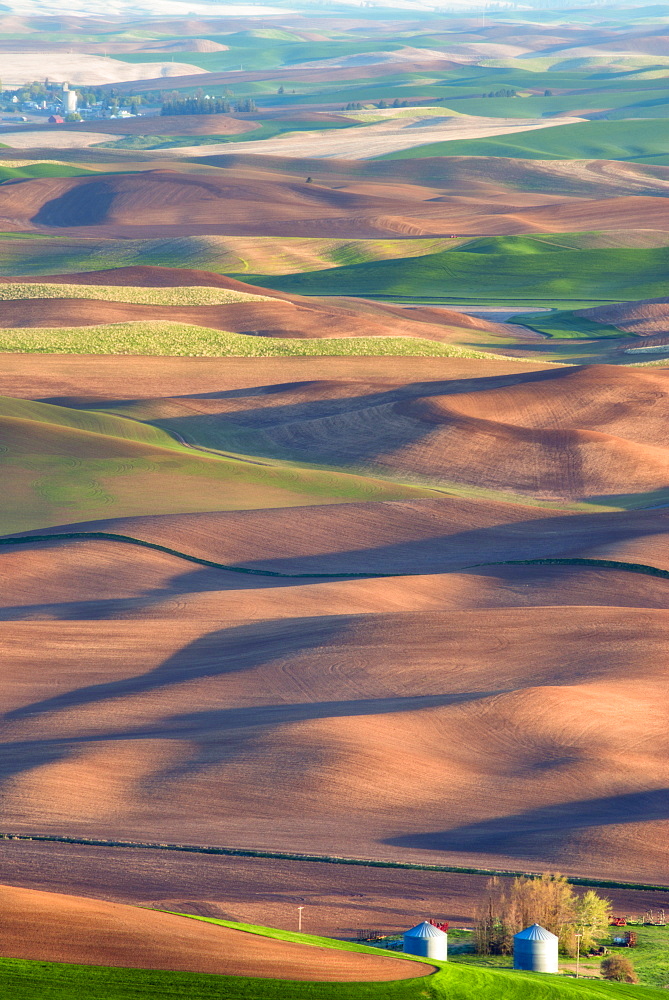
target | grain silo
[
  {"x": 427, "y": 941},
  {"x": 69, "y": 99},
  {"x": 535, "y": 949}
]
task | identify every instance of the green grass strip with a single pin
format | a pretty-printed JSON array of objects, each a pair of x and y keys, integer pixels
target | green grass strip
[
  {"x": 544, "y": 561},
  {"x": 331, "y": 859},
  {"x": 29, "y": 980}
]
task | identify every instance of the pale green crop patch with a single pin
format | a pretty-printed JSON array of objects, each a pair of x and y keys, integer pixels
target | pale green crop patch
[
  {"x": 381, "y": 114},
  {"x": 182, "y": 339},
  {"x": 190, "y": 295}
]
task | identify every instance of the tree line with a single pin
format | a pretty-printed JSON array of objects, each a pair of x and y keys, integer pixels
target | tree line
[
  {"x": 203, "y": 104},
  {"x": 550, "y": 901}
]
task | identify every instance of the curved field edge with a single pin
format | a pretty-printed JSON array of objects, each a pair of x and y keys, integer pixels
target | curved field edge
[
  {"x": 166, "y": 339},
  {"x": 25, "y": 980},
  {"x": 229, "y": 568}
]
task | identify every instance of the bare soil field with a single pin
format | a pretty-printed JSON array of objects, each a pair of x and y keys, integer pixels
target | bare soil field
[
  {"x": 84, "y": 378},
  {"x": 54, "y": 927},
  {"x": 392, "y": 608},
  {"x": 89, "y": 70},
  {"x": 141, "y": 125},
  {"x": 99, "y": 579},
  {"x": 398, "y": 538},
  {"x": 364, "y": 143},
  {"x": 567, "y": 433},
  {"x": 192, "y": 731},
  {"x": 647, "y": 318},
  {"x": 339, "y": 900},
  {"x": 276, "y": 202},
  {"x": 52, "y": 139},
  {"x": 236, "y": 709}
]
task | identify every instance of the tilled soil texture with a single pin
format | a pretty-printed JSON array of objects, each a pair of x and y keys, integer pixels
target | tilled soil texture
[
  {"x": 53, "y": 927},
  {"x": 143, "y": 125},
  {"x": 648, "y": 318},
  {"x": 276, "y": 202},
  {"x": 174, "y": 701},
  {"x": 211, "y": 719},
  {"x": 338, "y": 900}
]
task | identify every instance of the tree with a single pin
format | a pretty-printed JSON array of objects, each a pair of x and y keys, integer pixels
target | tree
[
  {"x": 73, "y": 116},
  {"x": 493, "y": 935},
  {"x": 280, "y": 90},
  {"x": 548, "y": 93},
  {"x": 548, "y": 900},
  {"x": 619, "y": 969},
  {"x": 592, "y": 917},
  {"x": 247, "y": 104}
]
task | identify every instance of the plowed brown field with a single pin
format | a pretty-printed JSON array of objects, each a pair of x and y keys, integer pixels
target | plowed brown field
[
  {"x": 565, "y": 433},
  {"x": 143, "y": 125},
  {"x": 647, "y": 318},
  {"x": 338, "y": 900},
  {"x": 176, "y": 702},
  {"x": 194, "y": 730},
  {"x": 52, "y": 927},
  {"x": 273, "y": 200}
]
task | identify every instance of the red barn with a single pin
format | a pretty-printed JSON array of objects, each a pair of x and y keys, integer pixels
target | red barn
[{"x": 56, "y": 120}]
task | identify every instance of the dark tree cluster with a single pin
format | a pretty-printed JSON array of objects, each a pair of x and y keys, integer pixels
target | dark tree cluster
[
  {"x": 199, "y": 104},
  {"x": 503, "y": 92}
]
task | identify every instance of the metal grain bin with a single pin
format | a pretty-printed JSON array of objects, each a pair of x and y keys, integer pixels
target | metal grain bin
[
  {"x": 427, "y": 941},
  {"x": 535, "y": 949}
]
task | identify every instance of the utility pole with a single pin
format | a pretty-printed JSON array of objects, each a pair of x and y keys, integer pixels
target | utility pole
[{"x": 299, "y": 918}]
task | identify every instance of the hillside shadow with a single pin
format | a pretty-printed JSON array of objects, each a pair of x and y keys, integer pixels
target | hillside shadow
[
  {"x": 328, "y": 444},
  {"x": 224, "y": 651},
  {"x": 559, "y": 536},
  {"x": 526, "y": 834},
  {"x": 213, "y": 736},
  {"x": 201, "y": 580},
  {"x": 84, "y": 205}
]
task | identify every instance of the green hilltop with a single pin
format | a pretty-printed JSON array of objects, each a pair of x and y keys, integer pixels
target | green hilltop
[
  {"x": 640, "y": 141},
  {"x": 496, "y": 269}
]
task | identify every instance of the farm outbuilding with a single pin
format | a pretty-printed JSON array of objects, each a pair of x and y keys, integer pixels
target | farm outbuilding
[
  {"x": 427, "y": 941},
  {"x": 535, "y": 950}
]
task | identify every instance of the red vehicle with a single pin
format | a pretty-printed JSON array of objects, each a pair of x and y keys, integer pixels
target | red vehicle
[
  {"x": 617, "y": 921},
  {"x": 440, "y": 926}
]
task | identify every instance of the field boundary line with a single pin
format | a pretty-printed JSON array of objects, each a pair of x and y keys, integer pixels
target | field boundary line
[
  {"x": 333, "y": 859},
  {"x": 199, "y": 560}
]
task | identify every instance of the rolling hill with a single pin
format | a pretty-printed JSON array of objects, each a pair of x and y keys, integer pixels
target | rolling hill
[
  {"x": 486, "y": 271},
  {"x": 637, "y": 141},
  {"x": 303, "y": 655},
  {"x": 316, "y": 591},
  {"x": 51, "y": 927}
]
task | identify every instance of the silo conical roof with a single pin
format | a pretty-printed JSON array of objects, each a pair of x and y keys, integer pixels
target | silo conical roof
[
  {"x": 425, "y": 930},
  {"x": 535, "y": 933}
]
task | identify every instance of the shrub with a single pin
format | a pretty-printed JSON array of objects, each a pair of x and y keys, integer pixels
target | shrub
[{"x": 619, "y": 968}]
